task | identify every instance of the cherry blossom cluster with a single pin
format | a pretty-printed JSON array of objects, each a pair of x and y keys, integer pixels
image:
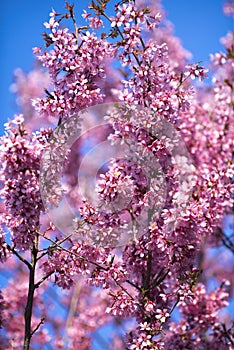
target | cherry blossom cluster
[
  {"x": 144, "y": 340},
  {"x": 199, "y": 315},
  {"x": 211, "y": 142},
  {"x": 84, "y": 259},
  {"x": 102, "y": 219},
  {"x": 152, "y": 82},
  {"x": 154, "y": 85},
  {"x": 20, "y": 156},
  {"x": 75, "y": 64},
  {"x": 138, "y": 249},
  {"x": 166, "y": 253},
  {"x": 125, "y": 179},
  {"x": 54, "y": 158},
  {"x": 94, "y": 22}
]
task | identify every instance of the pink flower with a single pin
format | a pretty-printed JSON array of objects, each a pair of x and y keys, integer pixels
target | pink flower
[{"x": 51, "y": 24}]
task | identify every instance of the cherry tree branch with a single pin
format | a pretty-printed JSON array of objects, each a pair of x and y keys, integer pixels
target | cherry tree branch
[
  {"x": 57, "y": 244},
  {"x": 20, "y": 257},
  {"x": 43, "y": 279},
  {"x": 31, "y": 289},
  {"x": 38, "y": 326}
]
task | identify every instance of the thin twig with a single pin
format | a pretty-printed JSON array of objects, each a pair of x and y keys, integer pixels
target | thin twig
[
  {"x": 159, "y": 278},
  {"x": 133, "y": 284},
  {"x": 36, "y": 285},
  {"x": 176, "y": 303},
  {"x": 56, "y": 244},
  {"x": 39, "y": 324},
  {"x": 124, "y": 289},
  {"x": 26, "y": 262}
]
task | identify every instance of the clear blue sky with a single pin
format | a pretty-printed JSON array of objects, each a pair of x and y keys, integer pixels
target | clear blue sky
[{"x": 199, "y": 23}]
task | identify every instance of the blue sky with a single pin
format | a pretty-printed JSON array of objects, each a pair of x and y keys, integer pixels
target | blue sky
[{"x": 198, "y": 23}]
